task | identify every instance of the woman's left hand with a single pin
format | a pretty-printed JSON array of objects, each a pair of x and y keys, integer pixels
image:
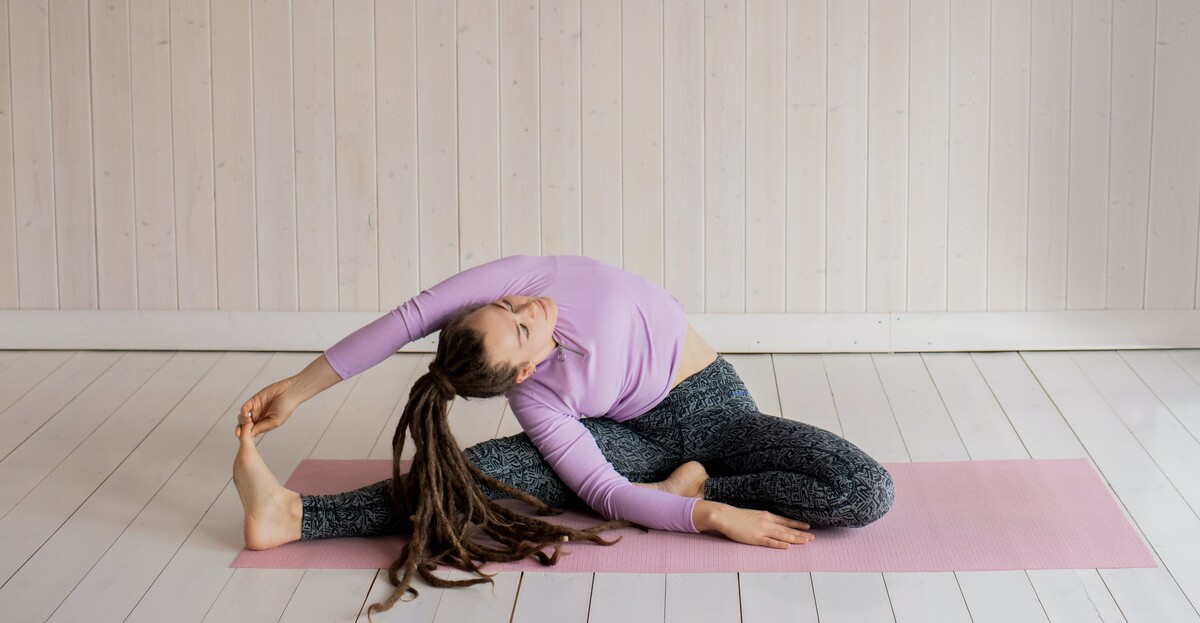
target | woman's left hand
[{"x": 753, "y": 527}]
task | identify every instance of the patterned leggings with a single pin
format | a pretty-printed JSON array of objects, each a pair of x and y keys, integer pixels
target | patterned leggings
[{"x": 754, "y": 461}]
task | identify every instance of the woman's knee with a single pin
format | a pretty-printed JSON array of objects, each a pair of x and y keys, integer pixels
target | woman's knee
[{"x": 872, "y": 498}]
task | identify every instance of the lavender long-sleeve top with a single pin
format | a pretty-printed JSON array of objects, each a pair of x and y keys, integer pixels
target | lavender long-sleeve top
[{"x": 622, "y": 340}]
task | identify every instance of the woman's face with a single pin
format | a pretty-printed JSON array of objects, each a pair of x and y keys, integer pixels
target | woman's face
[{"x": 518, "y": 330}]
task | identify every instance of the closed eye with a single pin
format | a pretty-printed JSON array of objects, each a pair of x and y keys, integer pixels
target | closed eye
[{"x": 510, "y": 308}]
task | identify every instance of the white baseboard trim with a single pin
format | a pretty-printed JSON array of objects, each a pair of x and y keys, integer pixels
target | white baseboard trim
[{"x": 727, "y": 333}]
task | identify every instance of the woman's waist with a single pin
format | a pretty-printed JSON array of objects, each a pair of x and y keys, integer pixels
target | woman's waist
[
  {"x": 714, "y": 386},
  {"x": 695, "y": 356}
]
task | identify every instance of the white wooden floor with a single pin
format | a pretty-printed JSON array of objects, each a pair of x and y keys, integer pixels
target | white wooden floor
[{"x": 116, "y": 502}]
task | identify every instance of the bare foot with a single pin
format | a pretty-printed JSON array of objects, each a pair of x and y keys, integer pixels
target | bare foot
[
  {"x": 687, "y": 480},
  {"x": 272, "y": 512}
]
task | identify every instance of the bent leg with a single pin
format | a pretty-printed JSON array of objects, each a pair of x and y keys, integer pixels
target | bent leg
[{"x": 795, "y": 470}]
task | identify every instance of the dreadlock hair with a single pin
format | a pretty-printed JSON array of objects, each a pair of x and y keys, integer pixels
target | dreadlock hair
[{"x": 439, "y": 496}]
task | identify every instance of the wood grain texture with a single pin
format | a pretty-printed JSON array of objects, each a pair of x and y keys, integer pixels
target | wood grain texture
[{"x": 755, "y": 156}]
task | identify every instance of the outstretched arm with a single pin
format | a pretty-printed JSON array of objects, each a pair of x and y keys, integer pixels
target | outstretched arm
[{"x": 525, "y": 275}]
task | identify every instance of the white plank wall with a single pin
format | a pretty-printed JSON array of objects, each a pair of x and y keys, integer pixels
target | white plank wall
[
  {"x": 207, "y": 129},
  {"x": 8, "y": 232},
  {"x": 155, "y": 271},
  {"x": 520, "y": 121},
  {"x": 752, "y": 156},
  {"x": 478, "y": 119},
  {"x": 112, "y": 145},
  {"x": 396, "y": 159},
  {"x": 967, "y": 237},
  {"x": 355, "y": 156},
  {"x": 601, "y": 122},
  {"x": 316, "y": 198}
]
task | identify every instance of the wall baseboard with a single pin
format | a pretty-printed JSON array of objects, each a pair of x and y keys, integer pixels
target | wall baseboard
[{"x": 727, "y": 333}]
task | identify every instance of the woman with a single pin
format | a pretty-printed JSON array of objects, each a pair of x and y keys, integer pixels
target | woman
[{"x": 624, "y": 408}]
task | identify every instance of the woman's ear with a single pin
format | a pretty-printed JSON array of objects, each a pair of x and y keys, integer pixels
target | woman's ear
[{"x": 525, "y": 372}]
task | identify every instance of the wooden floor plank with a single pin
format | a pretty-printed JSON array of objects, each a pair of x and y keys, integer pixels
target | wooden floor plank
[
  {"x": 30, "y": 371},
  {"x": 30, "y": 462},
  {"x": 804, "y": 391},
  {"x": 702, "y": 597},
  {"x": 1149, "y": 595},
  {"x": 1001, "y": 597},
  {"x": 262, "y": 595},
  {"x": 553, "y": 598},
  {"x": 864, "y": 417},
  {"x": 10, "y": 357},
  {"x": 324, "y": 594},
  {"x": 1171, "y": 385},
  {"x": 926, "y": 597},
  {"x": 482, "y": 603},
  {"x": 851, "y": 598},
  {"x": 420, "y": 609},
  {"x": 773, "y": 597},
  {"x": 1164, "y": 438},
  {"x": 64, "y": 493},
  {"x": 1075, "y": 596},
  {"x": 1187, "y": 358},
  {"x": 982, "y": 425},
  {"x": 628, "y": 598},
  {"x": 47, "y": 381},
  {"x": 1174, "y": 381}
]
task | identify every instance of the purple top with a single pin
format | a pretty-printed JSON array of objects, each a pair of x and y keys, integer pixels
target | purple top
[{"x": 621, "y": 337}]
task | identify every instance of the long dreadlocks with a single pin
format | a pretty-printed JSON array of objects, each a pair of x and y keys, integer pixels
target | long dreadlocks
[{"x": 439, "y": 498}]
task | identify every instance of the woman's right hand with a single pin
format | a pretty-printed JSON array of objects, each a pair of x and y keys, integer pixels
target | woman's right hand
[
  {"x": 269, "y": 408},
  {"x": 756, "y": 527}
]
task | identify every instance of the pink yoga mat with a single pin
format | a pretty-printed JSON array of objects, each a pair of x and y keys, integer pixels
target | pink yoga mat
[{"x": 947, "y": 516}]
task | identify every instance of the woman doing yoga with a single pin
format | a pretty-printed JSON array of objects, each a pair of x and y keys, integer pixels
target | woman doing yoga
[{"x": 624, "y": 408}]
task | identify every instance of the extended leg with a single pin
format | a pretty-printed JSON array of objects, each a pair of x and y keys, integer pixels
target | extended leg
[
  {"x": 366, "y": 511},
  {"x": 514, "y": 460}
]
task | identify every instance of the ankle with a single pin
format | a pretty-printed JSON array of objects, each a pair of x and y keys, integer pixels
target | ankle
[{"x": 295, "y": 514}]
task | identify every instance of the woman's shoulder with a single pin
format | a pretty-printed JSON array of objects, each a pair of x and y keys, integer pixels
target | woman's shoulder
[{"x": 532, "y": 397}]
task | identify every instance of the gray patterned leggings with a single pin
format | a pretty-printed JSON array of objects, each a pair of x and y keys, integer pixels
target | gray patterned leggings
[{"x": 754, "y": 461}]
